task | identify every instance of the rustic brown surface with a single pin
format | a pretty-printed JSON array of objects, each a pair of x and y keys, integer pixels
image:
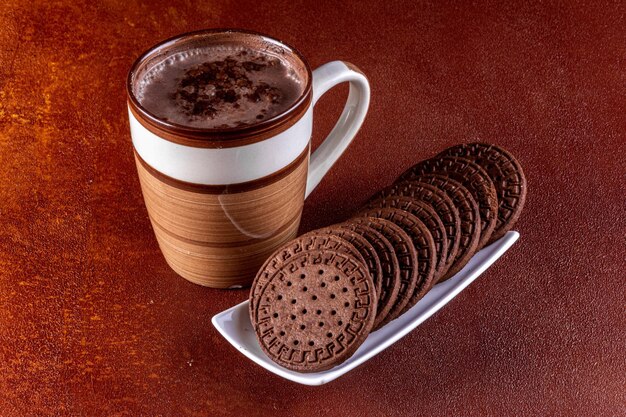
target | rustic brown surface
[{"x": 93, "y": 321}]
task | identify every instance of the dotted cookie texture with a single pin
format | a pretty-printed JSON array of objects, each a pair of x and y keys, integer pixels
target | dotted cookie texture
[
  {"x": 316, "y": 299},
  {"x": 365, "y": 248},
  {"x": 316, "y": 312},
  {"x": 298, "y": 246}
]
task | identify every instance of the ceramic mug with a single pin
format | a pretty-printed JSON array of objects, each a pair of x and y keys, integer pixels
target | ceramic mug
[{"x": 221, "y": 201}]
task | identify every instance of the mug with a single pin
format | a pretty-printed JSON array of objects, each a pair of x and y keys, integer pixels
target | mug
[{"x": 221, "y": 201}]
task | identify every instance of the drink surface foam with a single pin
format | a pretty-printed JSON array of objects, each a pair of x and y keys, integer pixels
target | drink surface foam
[{"x": 218, "y": 86}]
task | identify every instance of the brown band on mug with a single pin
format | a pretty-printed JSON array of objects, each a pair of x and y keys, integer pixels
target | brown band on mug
[
  {"x": 224, "y": 245},
  {"x": 240, "y": 138},
  {"x": 228, "y": 188}
]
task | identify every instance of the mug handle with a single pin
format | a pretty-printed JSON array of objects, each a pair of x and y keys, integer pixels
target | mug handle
[{"x": 324, "y": 78}]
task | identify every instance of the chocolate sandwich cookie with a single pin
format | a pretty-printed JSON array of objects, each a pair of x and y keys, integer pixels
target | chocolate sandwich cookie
[
  {"x": 468, "y": 213},
  {"x": 316, "y": 312},
  {"x": 407, "y": 258},
  {"x": 365, "y": 248},
  {"x": 473, "y": 177},
  {"x": 429, "y": 217},
  {"x": 507, "y": 175},
  {"x": 438, "y": 200},
  {"x": 302, "y": 244},
  {"x": 390, "y": 283},
  {"x": 423, "y": 243}
]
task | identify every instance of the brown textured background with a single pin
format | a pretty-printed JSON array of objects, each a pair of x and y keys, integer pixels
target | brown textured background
[{"x": 93, "y": 322}]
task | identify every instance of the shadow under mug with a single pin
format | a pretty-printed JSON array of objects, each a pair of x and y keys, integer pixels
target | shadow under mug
[{"x": 222, "y": 200}]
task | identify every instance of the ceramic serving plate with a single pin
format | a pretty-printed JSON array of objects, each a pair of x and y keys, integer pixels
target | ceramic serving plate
[{"x": 234, "y": 323}]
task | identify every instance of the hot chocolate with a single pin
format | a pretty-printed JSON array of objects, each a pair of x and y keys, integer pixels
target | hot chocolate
[
  {"x": 221, "y": 124},
  {"x": 218, "y": 86}
]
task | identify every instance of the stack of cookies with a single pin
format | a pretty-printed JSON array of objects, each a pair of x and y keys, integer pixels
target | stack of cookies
[{"x": 316, "y": 299}]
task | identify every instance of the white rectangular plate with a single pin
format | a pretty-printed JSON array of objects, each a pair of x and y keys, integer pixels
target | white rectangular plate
[{"x": 234, "y": 323}]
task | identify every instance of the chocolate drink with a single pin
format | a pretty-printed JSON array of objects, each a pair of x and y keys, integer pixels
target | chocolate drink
[
  {"x": 221, "y": 123},
  {"x": 219, "y": 86}
]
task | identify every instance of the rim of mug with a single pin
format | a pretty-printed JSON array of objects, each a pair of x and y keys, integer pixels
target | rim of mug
[{"x": 218, "y": 137}]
